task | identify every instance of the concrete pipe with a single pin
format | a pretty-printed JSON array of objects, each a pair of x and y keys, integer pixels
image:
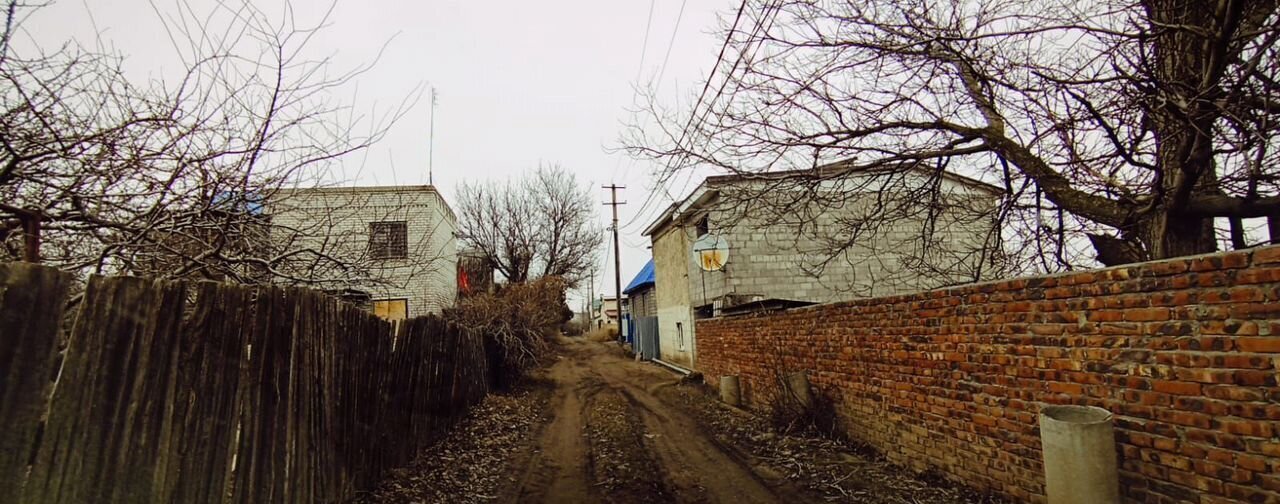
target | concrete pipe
[
  {"x": 798, "y": 384},
  {"x": 1079, "y": 447},
  {"x": 730, "y": 390}
]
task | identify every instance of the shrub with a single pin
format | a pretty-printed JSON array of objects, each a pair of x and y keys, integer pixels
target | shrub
[
  {"x": 518, "y": 324},
  {"x": 603, "y": 334}
]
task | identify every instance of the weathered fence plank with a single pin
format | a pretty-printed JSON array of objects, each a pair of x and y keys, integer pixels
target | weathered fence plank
[
  {"x": 102, "y": 441},
  {"x": 209, "y": 373},
  {"x": 32, "y": 299},
  {"x": 216, "y": 393}
]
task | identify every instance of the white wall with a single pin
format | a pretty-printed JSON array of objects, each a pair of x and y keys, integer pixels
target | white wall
[{"x": 337, "y": 220}]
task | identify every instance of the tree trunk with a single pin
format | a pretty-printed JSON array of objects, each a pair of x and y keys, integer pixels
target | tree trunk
[
  {"x": 1171, "y": 235},
  {"x": 1183, "y": 125}
]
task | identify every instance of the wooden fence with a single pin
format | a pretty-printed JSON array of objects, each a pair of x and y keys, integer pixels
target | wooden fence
[{"x": 156, "y": 391}]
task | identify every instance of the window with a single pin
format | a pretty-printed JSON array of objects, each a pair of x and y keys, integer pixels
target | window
[
  {"x": 680, "y": 335},
  {"x": 703, "y": 226},
  {"x": 391, "y": 309},
  {"x": 389, "y": 240}
]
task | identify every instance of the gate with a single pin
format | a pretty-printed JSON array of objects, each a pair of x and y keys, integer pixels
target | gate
[{"x": 646, "y": 337}]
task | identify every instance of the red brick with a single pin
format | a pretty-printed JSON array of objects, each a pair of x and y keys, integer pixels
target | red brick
[
  {"x": 1214, "y": 376},
  {"x": 1258, "y": 275},
  {"x": 1146, "y": 314},
  {"x": 1252, "y": 463},
  {"x": 1251, "y": 428},
  {"x": 1220, "y": 456},
  {"x": 1268, "y": 344},
  {"x": 1175, "y": 387},
  {"x": 1066, "y": 388},
  {"x": 1266, "y": 255}
]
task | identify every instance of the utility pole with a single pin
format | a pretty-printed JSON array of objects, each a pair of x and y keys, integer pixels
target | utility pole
[{"x": 617, "y": 259}]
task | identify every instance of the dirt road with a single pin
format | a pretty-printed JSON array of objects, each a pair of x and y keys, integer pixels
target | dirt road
[
  {"x": 595, "y": 426},
  {"x": 611, "y": 439}
]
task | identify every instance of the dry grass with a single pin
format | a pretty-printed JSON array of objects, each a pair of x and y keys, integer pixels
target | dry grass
[{"x": 603, "y": 334}]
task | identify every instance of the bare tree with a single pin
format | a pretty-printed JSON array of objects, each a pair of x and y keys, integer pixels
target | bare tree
[
  {"x": 172, "y": 178},
  {"x": 1137, "y": 123},
  {"x": 541, "y": 226}
]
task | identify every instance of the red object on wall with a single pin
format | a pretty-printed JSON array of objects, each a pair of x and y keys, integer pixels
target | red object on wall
[{"x": 464, "y": 284}]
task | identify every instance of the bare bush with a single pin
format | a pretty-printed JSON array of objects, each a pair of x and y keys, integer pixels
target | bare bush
[
  {"x": 604, "y": 334},
  {"x": 789, "y": 415},
  {"x": 518, "y": 323}
]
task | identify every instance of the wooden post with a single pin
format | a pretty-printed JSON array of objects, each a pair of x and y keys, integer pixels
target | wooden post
[
  {"x": 30, "y": 219},
  {"x": 31, "y": 237}
]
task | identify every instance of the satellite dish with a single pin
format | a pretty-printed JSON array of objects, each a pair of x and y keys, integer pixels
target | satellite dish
[{"x": 711, "y": 252}]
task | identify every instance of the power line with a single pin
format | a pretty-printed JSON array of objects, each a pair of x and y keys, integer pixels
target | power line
[
  {"x": 671, "y": 43},
  {"x": 645, "y": 48},
  {"x": 706, "y": 85},
  {"x": 742, "y": 55},
  {"x": 724, "y": 46}
]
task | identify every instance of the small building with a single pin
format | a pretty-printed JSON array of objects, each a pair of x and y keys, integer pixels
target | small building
[
  {"x": 604, "y": 312},
  {"x": 773, "y": 263},
  {"x": 640, "y": 313},
  {"x": 394, "y": 246},
  {"x": 641, "y": 300}
]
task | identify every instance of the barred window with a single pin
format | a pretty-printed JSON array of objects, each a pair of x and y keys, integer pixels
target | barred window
[{"x": 389, "y": 240}]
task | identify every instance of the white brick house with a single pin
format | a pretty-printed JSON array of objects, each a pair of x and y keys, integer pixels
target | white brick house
[
  {"x": 400, "y": 242},
  {"x": 779, "y": 261}
]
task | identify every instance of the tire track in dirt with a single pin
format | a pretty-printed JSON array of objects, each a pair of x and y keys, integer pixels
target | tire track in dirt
[
  {"x": 621, "y": 463},
  {"x": 556, "y": 470},
  {"x": 609, "y": 439}
]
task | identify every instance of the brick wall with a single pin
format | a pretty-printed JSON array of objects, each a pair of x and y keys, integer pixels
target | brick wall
[{"x": 1185, "y": 352}]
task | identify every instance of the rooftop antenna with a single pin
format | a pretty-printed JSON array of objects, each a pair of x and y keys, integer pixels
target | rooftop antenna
[{"x": 431, "y": 139}]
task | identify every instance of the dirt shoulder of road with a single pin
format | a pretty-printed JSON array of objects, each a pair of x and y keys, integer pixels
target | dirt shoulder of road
[
  {"x": 825, "y": 469},
  {"x": 476, "y": 459}
]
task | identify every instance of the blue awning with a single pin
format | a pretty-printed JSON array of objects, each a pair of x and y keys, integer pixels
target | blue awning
[{"x": 643, "y": 279}]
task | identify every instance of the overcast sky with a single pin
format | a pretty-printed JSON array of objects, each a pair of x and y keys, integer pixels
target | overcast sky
[{"x": 519, "y": 83}]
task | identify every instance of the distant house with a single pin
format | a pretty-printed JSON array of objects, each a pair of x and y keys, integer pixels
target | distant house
[
  {"x": 397, "y": 244},
  {"x": 774, "y": 263},
  {"x": 604, "y": 312}
]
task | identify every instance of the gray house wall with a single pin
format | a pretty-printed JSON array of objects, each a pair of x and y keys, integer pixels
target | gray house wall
[
  {"x": 768, "y": 260},
  {"x": 773, "y": 258},
  {"x": 338, "y": 220}
]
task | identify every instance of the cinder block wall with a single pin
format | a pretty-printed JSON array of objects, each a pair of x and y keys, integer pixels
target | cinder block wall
[
  {"x": 337, "y": 220},
  {"x": 1185, "y": 352}
]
